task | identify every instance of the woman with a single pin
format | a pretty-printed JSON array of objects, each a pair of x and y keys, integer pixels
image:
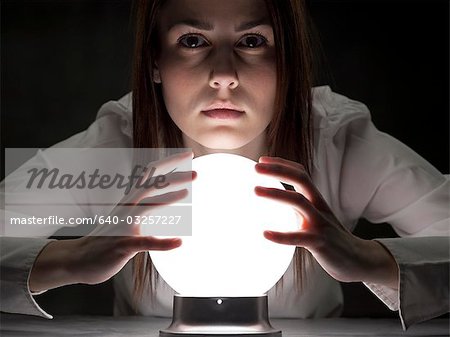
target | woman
[{"x": 235, "y": 77}]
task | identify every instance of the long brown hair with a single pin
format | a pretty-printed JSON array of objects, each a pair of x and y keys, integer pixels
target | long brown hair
[{"x": 290, "y": 133}]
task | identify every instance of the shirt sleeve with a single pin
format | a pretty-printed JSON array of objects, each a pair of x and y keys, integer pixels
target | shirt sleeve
[
  {"x": 423, "y": 278},
  {"x": 413, "y": 197},
  {"x": 20, "y": 245},
  {"x": 365, "y": 173},
  {"x": 17, "y": 259}
]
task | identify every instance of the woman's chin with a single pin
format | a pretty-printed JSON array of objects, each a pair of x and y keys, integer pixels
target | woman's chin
[{"x": 225, "y": 144}]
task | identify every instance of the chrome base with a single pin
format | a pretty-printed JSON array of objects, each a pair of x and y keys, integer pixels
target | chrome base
[{"x": 220, "y": 316}]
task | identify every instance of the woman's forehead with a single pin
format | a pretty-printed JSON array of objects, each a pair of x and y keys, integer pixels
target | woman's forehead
[{"x": 207, "y": 13}]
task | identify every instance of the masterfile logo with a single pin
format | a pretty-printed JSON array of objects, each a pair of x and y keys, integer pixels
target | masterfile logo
[{"x": 46, "y": 190}]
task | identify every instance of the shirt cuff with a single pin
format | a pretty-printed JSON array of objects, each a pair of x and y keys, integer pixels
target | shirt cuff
[
  {"x": 423, "y": 290},
  {"x": 17, "y": 259},
  {"x": 387, "y": 295}
]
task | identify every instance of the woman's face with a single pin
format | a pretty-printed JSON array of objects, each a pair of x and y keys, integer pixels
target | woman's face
[{"x": 217, "y": 69}]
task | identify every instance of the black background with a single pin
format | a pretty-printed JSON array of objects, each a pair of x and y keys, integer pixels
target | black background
[{"x": 62, "y": 59}]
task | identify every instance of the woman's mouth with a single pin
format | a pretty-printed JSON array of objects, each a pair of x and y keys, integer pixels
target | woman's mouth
[{"x": 223, "y": 113}]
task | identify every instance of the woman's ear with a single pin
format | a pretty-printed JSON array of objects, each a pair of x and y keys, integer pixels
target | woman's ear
[{"x": 156, "y": 75}]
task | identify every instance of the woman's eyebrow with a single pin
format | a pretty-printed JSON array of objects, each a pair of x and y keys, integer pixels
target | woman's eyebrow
[
  {"x": 206, "y": 25},
  {"x": 196, "y": 23},
  {"x": 251, "y": 24}
]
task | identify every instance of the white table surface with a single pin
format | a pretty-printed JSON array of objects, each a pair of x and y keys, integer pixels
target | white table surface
[{"x": 20, "y": 325}]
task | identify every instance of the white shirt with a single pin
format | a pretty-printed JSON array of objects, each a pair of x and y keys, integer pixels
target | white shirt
[{"x": 360, "y": 171}]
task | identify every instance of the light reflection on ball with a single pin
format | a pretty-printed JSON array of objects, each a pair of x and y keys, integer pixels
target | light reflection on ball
[{"x": 227, "y": 255}]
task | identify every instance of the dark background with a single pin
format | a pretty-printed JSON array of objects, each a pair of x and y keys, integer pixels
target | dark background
[{"x": 62, "y": 59}]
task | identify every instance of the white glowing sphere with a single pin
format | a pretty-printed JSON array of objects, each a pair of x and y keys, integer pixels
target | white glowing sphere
[{"x": 227, "y": 254}]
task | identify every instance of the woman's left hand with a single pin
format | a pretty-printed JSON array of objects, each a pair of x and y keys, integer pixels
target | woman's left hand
[{"x": 342, "y": 255}]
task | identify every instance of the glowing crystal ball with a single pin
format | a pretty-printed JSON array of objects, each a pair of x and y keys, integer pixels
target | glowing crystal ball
[{"x": 227, "y": 254}]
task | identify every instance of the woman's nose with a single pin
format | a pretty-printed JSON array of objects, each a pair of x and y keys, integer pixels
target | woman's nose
[
  {"x": 223, "y": 73},
  {"x": 224, "y": 81}
]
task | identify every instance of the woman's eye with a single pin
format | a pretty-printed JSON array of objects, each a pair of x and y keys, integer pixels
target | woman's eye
[
  {"x": 252, "y": 41},
  {"x": 192, "y": 41}
]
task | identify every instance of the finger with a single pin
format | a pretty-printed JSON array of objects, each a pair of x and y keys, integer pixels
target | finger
[
  {"x": 270, "y": 160},
  {"x": 136, "y": 212},
  {"x": 146, "y": 243},
  {"x": 148, "y": 174},
  {"x": 176, "y": 179},
  {"x": 167, "y": 182},
  {"x": 287, "y": 174},
  {"x": 298, "y": 178},
  {"x": 170, "y": 163},
  {"x": 163, "y": 199},
  {"x": 164, "y": 166},
  {"x": 299, "y": 239},
  {"x": 151, "y": 205},
  {"x": 300, "y": 204}
]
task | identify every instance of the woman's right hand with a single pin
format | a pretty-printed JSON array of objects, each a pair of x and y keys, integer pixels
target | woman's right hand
[{"x": 104, "y": 252}]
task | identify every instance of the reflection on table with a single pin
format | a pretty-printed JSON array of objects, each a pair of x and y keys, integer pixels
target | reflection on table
[{"x": 20, "y": 325}]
